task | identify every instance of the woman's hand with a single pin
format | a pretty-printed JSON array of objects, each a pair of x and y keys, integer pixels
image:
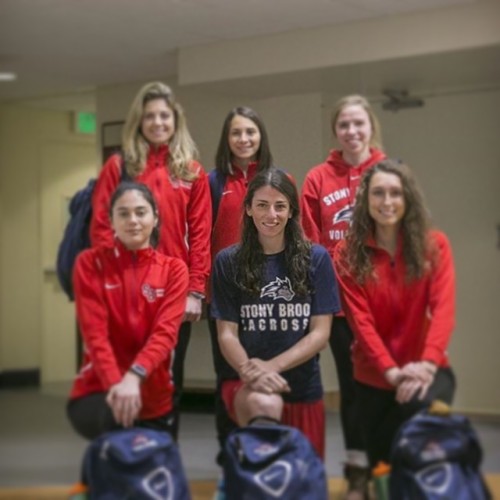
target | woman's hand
[
  {"x": 393, "y": 376},
  {"x": 124, "y": 399},
  {"x": 270, "y": 383},
  {"x": 417, "y": 378},
  {"x": 253, "y": 369},
  {"x": 193, "y": 308},
  {"x": 261, "y": 376}
]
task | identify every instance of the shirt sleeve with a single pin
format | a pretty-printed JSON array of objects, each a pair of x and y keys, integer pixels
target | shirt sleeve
[
  {"x": 101, "y": 233},
  {"x": 325, "y": 297},
  {"x": 225, "y": 292},
  {"x": 165, "y": 327},
  {"x": 359, "y": 315},
  {"x": 441, "y": 301},
  {"x": 92, "y": 313},
  {"x": 310, "y": 206},
  {"x": 199, "y": 220}
]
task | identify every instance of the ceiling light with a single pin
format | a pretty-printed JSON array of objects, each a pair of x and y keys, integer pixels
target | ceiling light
[{"x": 7, "y": 77}]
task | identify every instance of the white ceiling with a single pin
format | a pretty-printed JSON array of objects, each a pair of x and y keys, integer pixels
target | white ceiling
[{"x": 71, "y": 47}]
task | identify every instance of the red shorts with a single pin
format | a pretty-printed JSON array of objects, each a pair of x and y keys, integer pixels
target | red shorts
[{"x": 307, "y": 417}]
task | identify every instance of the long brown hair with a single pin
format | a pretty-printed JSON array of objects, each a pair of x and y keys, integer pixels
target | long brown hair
[
  {"x": 224, "y": 156},
  {"x": 414, "y": 225},
  {"x": 250, "y": 256}
]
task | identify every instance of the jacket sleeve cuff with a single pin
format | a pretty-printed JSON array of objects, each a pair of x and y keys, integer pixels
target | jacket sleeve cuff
[
  {"x": 386, "y": 363},
  {"x": 111, "y": 378},
  {"x": 433, "y": 354}
]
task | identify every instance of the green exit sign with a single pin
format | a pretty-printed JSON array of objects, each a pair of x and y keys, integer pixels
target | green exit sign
[{"x": 85, "y": 123}]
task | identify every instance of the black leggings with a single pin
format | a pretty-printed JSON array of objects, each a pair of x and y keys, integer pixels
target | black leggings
[
  {"x": 341, "y": 339},
  {"x": 381, "y": 415},
  {"x": 223, "y": 424},
  {"x": 178, "y": 373},
  {"x": 91, "y": 416}
]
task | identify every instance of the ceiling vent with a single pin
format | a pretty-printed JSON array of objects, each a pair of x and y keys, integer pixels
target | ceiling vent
[{"x": 400, "y": 99}]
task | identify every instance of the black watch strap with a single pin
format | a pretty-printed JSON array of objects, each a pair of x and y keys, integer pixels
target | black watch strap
[{"x": 138, "y": 370}]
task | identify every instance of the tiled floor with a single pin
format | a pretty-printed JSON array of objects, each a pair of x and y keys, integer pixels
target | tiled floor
[{"x": 38, "y": 447}]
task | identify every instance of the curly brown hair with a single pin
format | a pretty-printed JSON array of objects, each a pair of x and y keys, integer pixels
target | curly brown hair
[
  {"x": 415, "y": 225},
  {"x": 250, "y": 256}
]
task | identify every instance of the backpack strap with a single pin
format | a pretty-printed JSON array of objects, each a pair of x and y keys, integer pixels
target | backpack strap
[
  {"x": 263, "y": 420},
  {"x": 124, "y": 176},
  {"x": 217, "y": 180}
]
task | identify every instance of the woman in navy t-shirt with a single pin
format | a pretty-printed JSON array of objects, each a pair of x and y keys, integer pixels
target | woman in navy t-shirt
[{"x": 274, "y": 295}]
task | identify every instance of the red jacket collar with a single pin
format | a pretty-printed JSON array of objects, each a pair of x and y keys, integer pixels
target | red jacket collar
[
  {"x": 372, "y": 243},
  {"x": 125, "y": 255},
  {"x": 158, "y": 155},
  {"x": 336, "y": 159},
  {"x": 250, "y": 173}
]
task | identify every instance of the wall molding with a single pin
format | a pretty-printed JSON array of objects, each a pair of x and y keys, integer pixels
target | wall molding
[{"x": 13, "y": 379}]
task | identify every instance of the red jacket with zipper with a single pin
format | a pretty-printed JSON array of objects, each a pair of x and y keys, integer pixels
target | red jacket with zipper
[
  {"x": 328, "y": 196},
  {"x": 395, "y": 321},
  {"x": 229, "y": 220},
  {"x": 129, "y": 308},
  {"x": 184, "y": 208}
]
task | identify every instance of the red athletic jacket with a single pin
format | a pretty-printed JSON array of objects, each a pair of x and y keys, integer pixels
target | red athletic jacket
[
  {"x": 328, "y": 196},
  {"x": 129, "y": 308},
  {"x": 184, "y": 208},
  {"x": 227, "y": 225},
  {"x": 393, "y": 321}
]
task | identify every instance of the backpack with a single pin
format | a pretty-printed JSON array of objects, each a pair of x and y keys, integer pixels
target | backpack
[
  {"x": 77, "y": 234},
  {"x": 217, "y": 180},
  {"x": 269, "y": 461},
  {"x": 134, "y": 464},
  {"x": 437, "y": 457}
]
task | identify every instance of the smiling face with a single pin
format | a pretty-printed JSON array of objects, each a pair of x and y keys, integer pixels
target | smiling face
[
  {"x": 386, "y": 201},
  {"x": 133, "y": 220},
  {"x": 244, "y": 140},
  {"x": 270, "y": 211},
  {"x": 158, "y": 122},
  {"x": 353, "y": 130}
]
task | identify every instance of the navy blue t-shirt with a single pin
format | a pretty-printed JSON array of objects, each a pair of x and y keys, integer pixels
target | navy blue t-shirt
[{"x": 276, "y": 320}]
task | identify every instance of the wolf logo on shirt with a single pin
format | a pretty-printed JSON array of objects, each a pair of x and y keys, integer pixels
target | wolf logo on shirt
[
  {"x": 278, "y": 289},
  {"x": 343, "y": 215}
]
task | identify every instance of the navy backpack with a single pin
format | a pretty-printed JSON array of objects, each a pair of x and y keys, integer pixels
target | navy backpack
[
  {"x": 134, "y": 464},
  {"x": 77, "y": 234},
  {"x": 437, "y": 457},
  {"x": 269, "y": 461},
  {"x": 216, "y": 180}
]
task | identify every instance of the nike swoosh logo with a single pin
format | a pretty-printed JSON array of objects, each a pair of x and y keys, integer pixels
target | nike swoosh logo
[
  {"x": 226, "y": 192},
  {"x": 272, "y": 475},
  {"x": 111, "y": 286}
]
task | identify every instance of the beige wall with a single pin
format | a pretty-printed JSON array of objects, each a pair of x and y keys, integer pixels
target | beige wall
[
  {"x": 405, "y": 35},
  {"x": 451, "y": 143},
  {"x": 27, "y": 136},
  {"x": 449, "y": 139}
]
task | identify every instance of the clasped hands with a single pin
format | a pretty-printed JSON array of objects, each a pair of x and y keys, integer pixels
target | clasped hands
[
  {"x": 124, "y": 399},
  {"x": 261, "y": 376},
  {"x": 413, "y": 379}
]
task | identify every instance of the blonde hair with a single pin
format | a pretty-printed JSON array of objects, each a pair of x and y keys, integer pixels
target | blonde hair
[
  {"x": 182, "y": 148},
  {"x": 359, "y": 100}
]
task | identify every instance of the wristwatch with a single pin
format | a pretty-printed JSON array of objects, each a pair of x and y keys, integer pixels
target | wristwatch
[
  {"x": 197, "y": 295},
  {"x": 138, "y": 370}
]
